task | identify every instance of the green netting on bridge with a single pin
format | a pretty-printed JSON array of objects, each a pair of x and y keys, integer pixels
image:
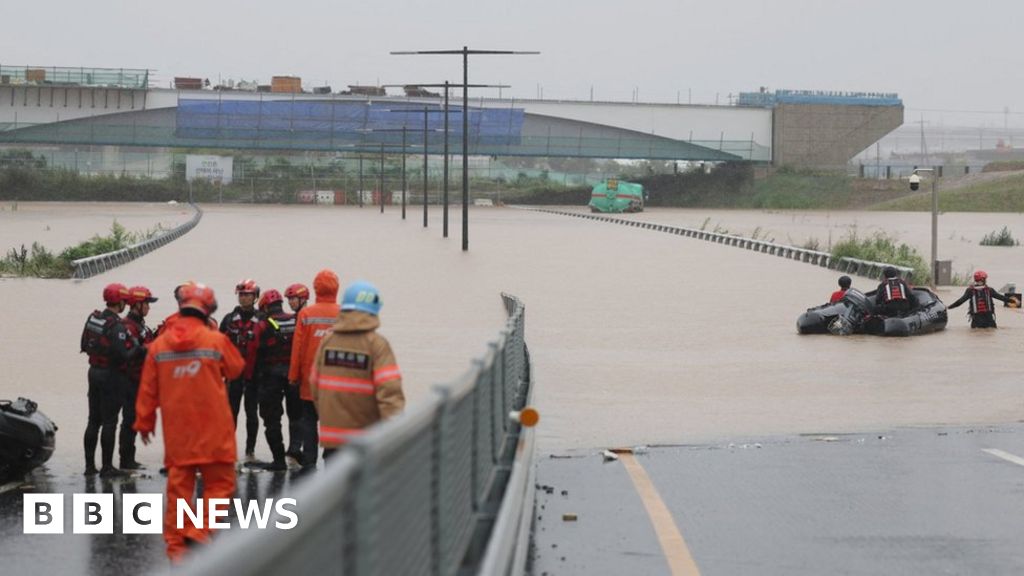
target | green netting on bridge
[
  {"x": 131, "y": 134},
  {"x": 60, "y": 76}
]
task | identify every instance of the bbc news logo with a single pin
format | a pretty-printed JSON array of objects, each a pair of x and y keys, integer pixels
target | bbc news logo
[{"x": 143, "y": 513}]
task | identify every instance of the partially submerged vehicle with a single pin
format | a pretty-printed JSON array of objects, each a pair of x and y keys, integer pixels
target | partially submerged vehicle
[
  {"x": 613, "y": 196},
  {"x": 27, "y": 438},
  {"x": 856, "y": 314}
]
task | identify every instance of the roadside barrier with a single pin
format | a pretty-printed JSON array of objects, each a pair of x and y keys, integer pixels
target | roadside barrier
[
  {"x": 93, "y": 265},
  {"x": 845, "y": 264},
  {"x": 444, "y": 489}
]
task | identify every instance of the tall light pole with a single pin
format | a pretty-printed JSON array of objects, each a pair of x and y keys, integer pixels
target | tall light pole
[
  {"x": 465, "y": 52},
  {"x": 447, "y": 85},
  {"x": 915, "y": 182}
]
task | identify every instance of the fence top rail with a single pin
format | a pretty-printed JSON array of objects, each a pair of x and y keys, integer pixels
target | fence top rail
[
  {"x": 905, "y": 269},
  {"x": 148, "y": 241}
]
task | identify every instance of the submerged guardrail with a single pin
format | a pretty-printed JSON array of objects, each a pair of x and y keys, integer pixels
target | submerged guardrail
[
  {"x": 93, "y": 265},
  {"x": 444, "y": 489},
  {"x": 845, "y": 264}
]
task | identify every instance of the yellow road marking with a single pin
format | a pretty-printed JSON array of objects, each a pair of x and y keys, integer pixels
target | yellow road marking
[{"x": 680, "y": 562}]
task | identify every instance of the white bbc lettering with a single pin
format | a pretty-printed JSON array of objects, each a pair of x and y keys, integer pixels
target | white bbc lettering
[
  {"x": 280, "y": 508},
  {"x": 184, "y": 509},
  {"x": 218, "y": 508},
  {"x": 142, "y": 513},
  {"x": 93, "y": 514},
  {"x": 320, "y": 333},
  {"x": 252, "y": 511},
  {"x": 43, "y": 514}
]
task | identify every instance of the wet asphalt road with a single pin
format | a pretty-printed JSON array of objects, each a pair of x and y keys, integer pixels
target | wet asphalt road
[{"x": 904, "y": 501}]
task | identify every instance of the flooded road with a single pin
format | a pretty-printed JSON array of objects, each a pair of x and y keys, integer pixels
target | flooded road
[{"x": 636, "y": 336}]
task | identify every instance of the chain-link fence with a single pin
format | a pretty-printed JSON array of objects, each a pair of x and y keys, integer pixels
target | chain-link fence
[{"x": 442, "y": 490}]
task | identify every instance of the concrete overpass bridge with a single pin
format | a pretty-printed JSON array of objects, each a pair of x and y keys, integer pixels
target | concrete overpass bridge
[{"x": 118, "y": 108}]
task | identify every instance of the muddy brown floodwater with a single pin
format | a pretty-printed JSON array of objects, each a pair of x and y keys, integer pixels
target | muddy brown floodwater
[{"x": 637, "y": 337}]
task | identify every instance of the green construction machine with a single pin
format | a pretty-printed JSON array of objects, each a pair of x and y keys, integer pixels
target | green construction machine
[{"x": 616, "y": 196}]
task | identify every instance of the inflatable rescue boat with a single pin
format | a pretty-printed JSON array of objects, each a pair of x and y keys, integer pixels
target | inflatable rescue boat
[
  {"x": 856, "y": 314},
  {"x": 27, "y": 438}
]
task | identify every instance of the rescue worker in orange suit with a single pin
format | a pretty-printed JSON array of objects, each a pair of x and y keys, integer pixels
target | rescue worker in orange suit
[
  {"x": 311, "y": 325},
  {"x": 106, "y": 341},
  {"x": 894, "y": 296},
  {"x": 273, "y": 351},
  {"x": 297, "y": 296},
  {"x": 355, "y": 381},
  {"x": 139, "y": 299},
  {"x": 239, "y": 326},
  {"x": 174, "y": 316},
  {"x": 184, "y": 376},
  {"x": 844, "y": 285},
  {"x": 981, "y": 296}
]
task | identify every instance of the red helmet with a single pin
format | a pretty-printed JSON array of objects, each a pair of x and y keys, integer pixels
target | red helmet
[
  {"x": 980, "y": 276},
  {"x": 115, "y": 293},
  {"x": 297, "y": 291},
  {"x": 270, "y": 297},
  {"x": 198, "y": 297},
  {"x": 247, "y": 286},
  {"x": 140, "y": 294}
]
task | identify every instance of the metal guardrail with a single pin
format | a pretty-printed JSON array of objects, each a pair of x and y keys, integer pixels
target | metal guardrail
[
  {"x": 444, "y": 489},
  {"x": 93, "y": 265},
  {"x": 869, "y": 268},
  {"x": 816, "y": 257}
]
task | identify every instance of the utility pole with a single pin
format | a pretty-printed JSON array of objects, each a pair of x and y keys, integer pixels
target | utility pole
[{"x": 465, "y": 52}]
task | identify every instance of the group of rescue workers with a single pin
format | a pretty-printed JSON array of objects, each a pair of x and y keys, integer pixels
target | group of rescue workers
[
  {"x": 322, "y": 364},
  {"x": 895, "y": 297}
]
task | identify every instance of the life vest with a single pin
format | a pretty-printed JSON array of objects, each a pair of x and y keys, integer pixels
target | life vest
[
  {"x": 275, "y": 345},
  {"x": 981, "y": 300},
  {"x": 96, "y": 341},
  {"x": 239, "y": 328},
  {"x": 140, "y": 335},
  {"x": 895, "y": 290}
]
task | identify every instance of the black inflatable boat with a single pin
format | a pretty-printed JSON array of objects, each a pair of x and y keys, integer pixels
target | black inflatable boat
[
  {"x": 27, "y": 438},
  {"x": 856, "y": 314}
]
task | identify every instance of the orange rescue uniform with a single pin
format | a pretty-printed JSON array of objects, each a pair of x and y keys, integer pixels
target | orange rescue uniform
[
  {"x": 184, "y": 375},
  {"x": 311, "y": 325}
]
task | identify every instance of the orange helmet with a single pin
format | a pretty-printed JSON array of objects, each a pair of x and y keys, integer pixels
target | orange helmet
[
  {"x": 270, "y": 297},
  {"x": 140, "y": 294},
  {"x": 297, "y": 291},
  {"x": 198, "y": 297},
  {"x": 980, "y": 276},
  {"x": 247, "y": 286},
  {"x": 115, "y": 293}
]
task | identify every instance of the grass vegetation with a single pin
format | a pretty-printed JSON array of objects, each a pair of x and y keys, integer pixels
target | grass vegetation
[
  {"x": 880, "y": 247},
  {"x": 1002, "y": 195},
  {"x": 39, "y": 262},
  {"x": 1001, "y": 238}
]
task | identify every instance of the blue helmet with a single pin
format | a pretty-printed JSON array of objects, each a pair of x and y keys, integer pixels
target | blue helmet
[{"x": 363, "y": 296}]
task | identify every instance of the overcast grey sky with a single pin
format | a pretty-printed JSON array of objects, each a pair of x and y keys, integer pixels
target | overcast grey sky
[{"x": 938, "y": 55}]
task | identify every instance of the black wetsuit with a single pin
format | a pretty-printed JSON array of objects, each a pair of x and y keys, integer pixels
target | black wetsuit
[{"x": 982, "y": 312}]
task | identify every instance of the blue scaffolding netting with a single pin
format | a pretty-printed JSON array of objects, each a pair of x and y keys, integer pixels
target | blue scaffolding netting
[{"x": 366, "y": 123}]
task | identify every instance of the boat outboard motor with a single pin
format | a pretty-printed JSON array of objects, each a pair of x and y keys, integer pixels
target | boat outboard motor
[
  {"x": 27, "y": 438},
  {"x": 858, "y": 306}
]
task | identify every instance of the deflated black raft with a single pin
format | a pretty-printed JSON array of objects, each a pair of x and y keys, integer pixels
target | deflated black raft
[
  {"x": 856, "y": 314},
  {"x": 27, "y": 438}
]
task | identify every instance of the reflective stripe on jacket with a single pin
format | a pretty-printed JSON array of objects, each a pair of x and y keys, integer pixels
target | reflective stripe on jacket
[
  {"x": 355, "y": 380},
  {"x": 183, "y": 376},
  {"x": 311, "y": 325}
]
